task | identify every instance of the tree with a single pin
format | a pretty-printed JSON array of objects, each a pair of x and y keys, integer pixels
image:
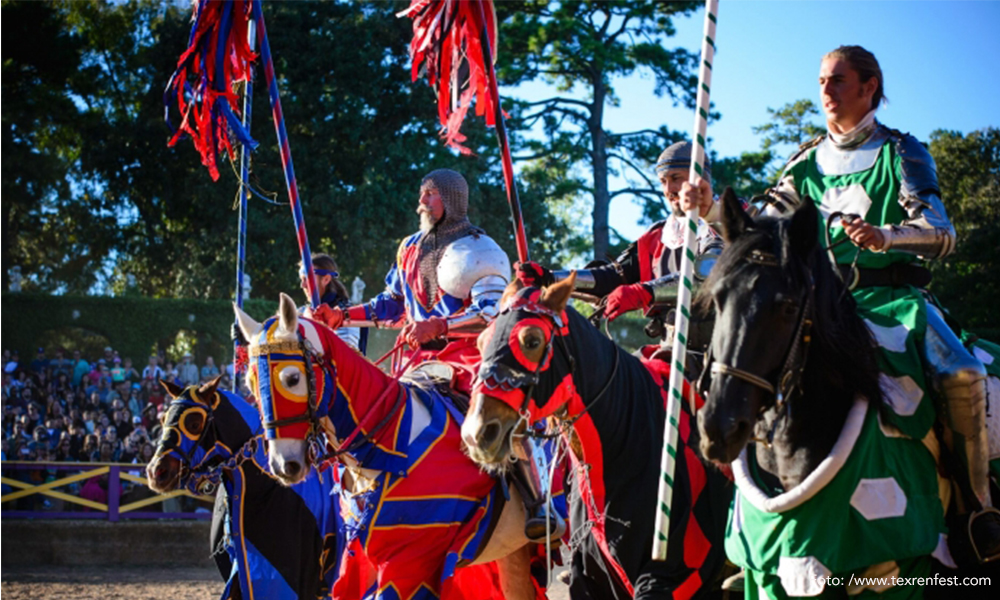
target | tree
[
  {"x": 57, "y": 237},
  {"x": 361, "y": 133},
  {"x": 791, "y": 125},
  {"x": 584, "y": 45},
  {"x": 968, "y": 281}
]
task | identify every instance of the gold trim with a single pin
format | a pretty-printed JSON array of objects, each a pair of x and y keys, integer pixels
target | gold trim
[{"x": 282, "y": 347}]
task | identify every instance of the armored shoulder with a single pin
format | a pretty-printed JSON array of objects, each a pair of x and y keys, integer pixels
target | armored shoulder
[
  {"x": 784, "y": 197},
  {"x": 468, "y": 260},
  {"x": 918, "y": 173},
  {"x": 802, "y": 152}
]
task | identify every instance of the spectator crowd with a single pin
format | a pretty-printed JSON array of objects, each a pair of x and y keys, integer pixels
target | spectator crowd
[{"x": 67, "y": 407}]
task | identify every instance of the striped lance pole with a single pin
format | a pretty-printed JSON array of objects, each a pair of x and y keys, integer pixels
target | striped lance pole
[
  {"x": 241, "y": 240},
  {"x": 286, "y": 153},
  {"x": 668, "y": 459}
]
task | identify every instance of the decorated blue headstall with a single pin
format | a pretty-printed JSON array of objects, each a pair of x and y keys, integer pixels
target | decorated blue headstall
[{"x": 189, "y": 435}]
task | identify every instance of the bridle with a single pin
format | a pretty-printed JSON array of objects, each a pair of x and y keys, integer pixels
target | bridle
[
  {"x": 187, "y": 467},
  {"x": 790, "y": 376},
  {"x": 506, "y": 378},
  {"x": 318, "y": 449}
]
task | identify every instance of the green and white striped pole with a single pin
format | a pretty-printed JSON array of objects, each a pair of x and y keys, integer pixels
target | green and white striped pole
[{"x": 668, "y": 459}]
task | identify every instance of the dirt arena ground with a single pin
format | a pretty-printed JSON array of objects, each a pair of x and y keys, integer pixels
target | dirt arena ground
[{"x": 106, "y": 583}]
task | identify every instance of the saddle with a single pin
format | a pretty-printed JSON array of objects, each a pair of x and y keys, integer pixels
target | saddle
[{"x": 437, "y": 376}]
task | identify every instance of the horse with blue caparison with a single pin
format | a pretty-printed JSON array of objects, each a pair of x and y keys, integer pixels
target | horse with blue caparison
[
  {"x": 829, "y": 489},
  {"x": 542, "y": 360},
  {"x": 420, "y": 518},
  {"x": 280, "y": 542}
]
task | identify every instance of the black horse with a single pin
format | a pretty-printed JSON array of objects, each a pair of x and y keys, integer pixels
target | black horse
[
  {"x": 281, "y": 540},
  {"x": 827, "y": 488},
  {"x": 541, "y": 359}
]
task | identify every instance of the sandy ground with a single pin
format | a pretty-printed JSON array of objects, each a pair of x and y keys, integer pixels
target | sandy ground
[{"x": 107, "y": 583}]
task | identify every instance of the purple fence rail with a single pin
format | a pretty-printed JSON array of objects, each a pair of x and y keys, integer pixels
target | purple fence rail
[{"x": 109, "y": 491}]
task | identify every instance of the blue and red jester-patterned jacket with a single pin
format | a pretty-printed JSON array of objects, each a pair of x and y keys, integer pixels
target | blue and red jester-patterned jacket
[{"x": 405, "y": 294}]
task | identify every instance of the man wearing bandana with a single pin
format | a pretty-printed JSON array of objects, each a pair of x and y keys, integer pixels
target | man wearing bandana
[
  {"x": 877, "y": 188},
  {"x": 646, "y": 275}
]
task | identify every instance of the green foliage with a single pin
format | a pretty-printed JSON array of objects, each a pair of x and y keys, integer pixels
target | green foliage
[
  {"x": 90, "y": 215},
  {"x": 968, "y": 281},
  {"x": 130, "y": 325},
  {"x": 747, "y": 174},
  {"x": 581, "y": 48},
  {"x": 42, "y": 142},
  {"x": 790, "y": 127}
]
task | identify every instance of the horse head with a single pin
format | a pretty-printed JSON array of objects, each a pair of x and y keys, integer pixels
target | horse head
[
  {"x": 288, "y": 377},
  {"x": 526, "y": 370},
  {"x": 775, "y": 296},
  {"x": 189, "y": 438}
]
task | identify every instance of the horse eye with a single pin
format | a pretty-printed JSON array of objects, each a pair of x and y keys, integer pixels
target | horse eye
[
  {"x": 194, "y": 422},
  {"x": 292, "y": 379},
  {"x": 532, "y": 343}
]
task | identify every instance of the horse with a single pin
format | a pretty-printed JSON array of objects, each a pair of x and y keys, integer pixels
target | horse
[
  {"x": 830, "y": 488},
  {"x": 282, "y": 541},
  {"x": 542, "y": 359},
  {"x": 415, "y": 507}
]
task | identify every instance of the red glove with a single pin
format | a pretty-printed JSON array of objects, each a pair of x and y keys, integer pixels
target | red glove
[
  {"x": 626, "y": 298},
  {"x": 331, "y": 317},
  {"x": 421, "y": 332},
  {"x": 533, "y": 274}
]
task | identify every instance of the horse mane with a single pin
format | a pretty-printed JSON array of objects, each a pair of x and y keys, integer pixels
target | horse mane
[{"x": 843, "y": 354}]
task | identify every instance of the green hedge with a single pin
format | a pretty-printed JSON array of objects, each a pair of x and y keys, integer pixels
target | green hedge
[{"x": 131, "y": 325}]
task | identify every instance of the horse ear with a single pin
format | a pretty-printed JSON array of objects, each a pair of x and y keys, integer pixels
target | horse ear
[
  {"x": 210, "y": 386},
  {"x": 248, "y": 326},
  {"x": 512, "y": 288},
  {"x": 288, "y": 314},
  {"x": 556, "y": 296},
  {"x": 803, "y": 232},
  {"x": 172, "y": 388},
  {"x": 735, "y": 220}
]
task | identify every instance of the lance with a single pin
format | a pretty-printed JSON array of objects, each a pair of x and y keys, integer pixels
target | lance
[
  {"x": 444, "y": 33},
  {"x": 668, "y": 458},
  {"x": 241, "y": 240},
  {"x": 501, "y": 128},
  {"x": 286, "y": 153}
]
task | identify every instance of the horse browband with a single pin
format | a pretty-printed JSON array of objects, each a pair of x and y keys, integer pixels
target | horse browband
[{"x": 791, "y": 372}]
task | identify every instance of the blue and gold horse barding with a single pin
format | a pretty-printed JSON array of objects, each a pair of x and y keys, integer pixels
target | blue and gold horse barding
[{"x": 270, "y": 541}]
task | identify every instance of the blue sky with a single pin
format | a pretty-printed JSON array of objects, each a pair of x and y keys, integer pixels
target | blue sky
[{"x": 941, "y": 62}]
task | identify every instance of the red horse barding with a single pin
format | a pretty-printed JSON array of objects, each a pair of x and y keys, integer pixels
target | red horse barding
[
  {"x": 542, "y": 359},
  {"x": 414, "y": 505}
]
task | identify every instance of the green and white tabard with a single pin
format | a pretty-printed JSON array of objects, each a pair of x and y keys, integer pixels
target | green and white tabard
[
  {"x": 866, "y": 181},
  {"x": 873, "y": 500}
]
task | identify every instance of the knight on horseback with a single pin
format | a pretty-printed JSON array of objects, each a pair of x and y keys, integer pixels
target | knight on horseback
[
  {"x": 446, "y": 283},
  {"x": 646, "y": 275},
  {"x": 883, "y": 185}
]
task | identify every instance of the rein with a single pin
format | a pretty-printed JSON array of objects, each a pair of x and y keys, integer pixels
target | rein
[
  {"x": 318, "y": 452},
  {"x": 795, "y": 356},
  {"x": 532, "y": 380}
]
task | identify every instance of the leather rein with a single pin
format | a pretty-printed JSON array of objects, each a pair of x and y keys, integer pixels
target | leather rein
[
  {"x": 497, "y": 375},
  {"x": 789, "y": 378}
]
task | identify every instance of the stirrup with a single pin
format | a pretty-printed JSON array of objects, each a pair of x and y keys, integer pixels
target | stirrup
[
  {"x": 735, "y": 582},
  {"x": 537, "y": 526},
  {"x": 972, "y": 541}
]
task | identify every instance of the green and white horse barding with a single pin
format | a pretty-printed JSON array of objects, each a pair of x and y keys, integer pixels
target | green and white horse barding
[{"x": 835, "y": 484}]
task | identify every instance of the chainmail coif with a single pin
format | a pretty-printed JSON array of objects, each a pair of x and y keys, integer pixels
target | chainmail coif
[{"x": 454, "y": 225}]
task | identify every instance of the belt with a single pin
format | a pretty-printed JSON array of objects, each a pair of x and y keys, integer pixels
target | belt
[{"x": 895, "y": 275}]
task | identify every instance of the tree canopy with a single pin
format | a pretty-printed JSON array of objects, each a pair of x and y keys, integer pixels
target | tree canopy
[
  {"x": 93, "y": 195},
  {"x": 581, "y": 47}
]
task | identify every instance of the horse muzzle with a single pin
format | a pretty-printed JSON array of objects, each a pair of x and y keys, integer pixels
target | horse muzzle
[
  {"x": 486, "y": 431},
  {"x": 162, "y": 474}
]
